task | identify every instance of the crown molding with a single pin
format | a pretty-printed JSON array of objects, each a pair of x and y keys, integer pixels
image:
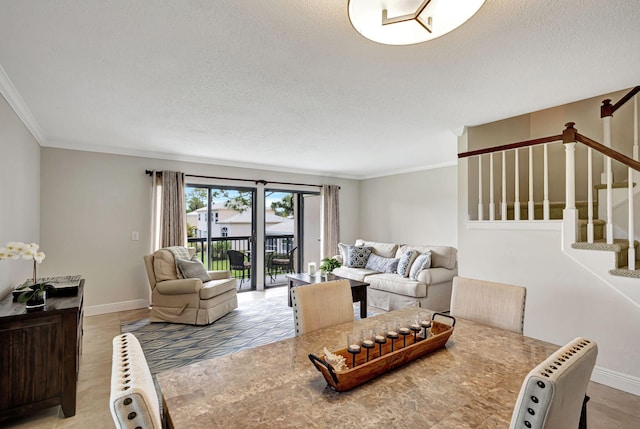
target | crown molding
[
  {"x": 187, "y": 158},
  {"x": 13, "y": 97}
]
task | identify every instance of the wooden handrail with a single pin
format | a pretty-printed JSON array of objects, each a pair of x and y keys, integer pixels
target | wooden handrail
[
  {"x": 511, "y": 146},
  {"x": 569, "y": 135},
  {"x": 607, "y": 109},
  {"x": 611, "y": 153}
]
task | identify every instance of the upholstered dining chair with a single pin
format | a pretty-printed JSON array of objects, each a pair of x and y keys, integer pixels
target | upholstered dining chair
[
  {"x": 133, "y": 400},
  {"x": 553, "y": 394},
  {"x": 493, "y": 304},
  {"x": 321, "y": 305}
]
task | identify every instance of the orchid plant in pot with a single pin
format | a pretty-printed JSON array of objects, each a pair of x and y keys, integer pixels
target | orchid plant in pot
[{"x": 33, "y": 293}]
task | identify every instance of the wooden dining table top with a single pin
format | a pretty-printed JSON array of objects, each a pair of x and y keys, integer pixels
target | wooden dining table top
[{"x": 472, "y": 382}]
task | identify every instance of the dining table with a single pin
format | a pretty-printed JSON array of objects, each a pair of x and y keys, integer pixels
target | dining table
[{"x": 471, "y": 382}]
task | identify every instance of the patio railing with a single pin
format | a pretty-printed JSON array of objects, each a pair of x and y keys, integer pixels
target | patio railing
[{"x": 213, "y": 253}]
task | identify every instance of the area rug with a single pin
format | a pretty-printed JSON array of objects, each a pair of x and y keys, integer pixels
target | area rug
[{"x": 169, "y": 345}]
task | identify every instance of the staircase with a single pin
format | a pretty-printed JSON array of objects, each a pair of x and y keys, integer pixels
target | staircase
[{"x": 588, "y": 225}]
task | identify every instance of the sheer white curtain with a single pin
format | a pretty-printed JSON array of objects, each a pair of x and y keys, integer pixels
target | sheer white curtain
[
  {"x": 330, "y": 220},
  {"x": 168, "y": 206}
]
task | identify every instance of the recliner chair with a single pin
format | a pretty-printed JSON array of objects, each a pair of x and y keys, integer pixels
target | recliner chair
[{"x": 187, "y": 300}]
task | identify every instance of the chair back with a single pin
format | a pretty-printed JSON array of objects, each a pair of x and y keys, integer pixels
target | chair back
[
  {"x": 321, "y": 305},
  {"x": 552, "y": 394},
  {"x": 148, "y": 263},
  {"x": 236, "y": 259},
  {"x": 133, "y": 401},
  {"x": 493, "y": 304}
]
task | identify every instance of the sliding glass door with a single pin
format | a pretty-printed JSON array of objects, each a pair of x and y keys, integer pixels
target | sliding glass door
[
  {"x": 221, "y": 228},
  {"x": 291, "y": 233}
]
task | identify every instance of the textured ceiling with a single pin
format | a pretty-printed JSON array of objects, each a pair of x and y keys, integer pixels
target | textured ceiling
[{"x": 290, "y": 85}]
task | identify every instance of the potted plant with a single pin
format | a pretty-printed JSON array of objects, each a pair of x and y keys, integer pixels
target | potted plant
[
  {"x": 33, "y": 293},
  {"x": 328, "y": 265}
]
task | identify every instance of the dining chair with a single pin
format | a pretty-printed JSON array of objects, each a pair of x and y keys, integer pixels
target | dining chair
[
  {"x": 553, "y": 394},
  {"x": 493, "y": 304},
  {"x": 238, "y": 261},
  {"x": 133, "y": 400},
  {"x": 321, "y": 305},
  {"x": 281, "y": 264}
]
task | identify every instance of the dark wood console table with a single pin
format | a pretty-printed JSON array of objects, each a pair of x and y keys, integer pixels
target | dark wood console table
[{"x": 40, "y": 355}]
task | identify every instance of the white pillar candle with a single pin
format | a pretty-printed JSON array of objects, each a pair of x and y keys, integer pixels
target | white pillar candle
[
  {"x": 312, "y": 268},
  {"x": 367, "y": 343},
  {"x": 354, "y": 348}
]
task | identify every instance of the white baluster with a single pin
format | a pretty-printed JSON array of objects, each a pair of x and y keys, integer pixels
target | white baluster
[
  {"x": 632, "y": 249},
  {"x": 609, "y": 178},
  {"x": 480, "y": 205},
  {"x": 516, "y": 201},
  {"x": 492, "y": 205},
  {"x": 590, "y": 195},
  {"x": 545, "y": 201},
  {"x": 504, "y": 186},
  {"x": 635, "y": 127},
  {"x": 531, "y": 206}
]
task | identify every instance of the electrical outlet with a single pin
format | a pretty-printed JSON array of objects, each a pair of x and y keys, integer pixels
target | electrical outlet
[{"x": 135, "y": 236}]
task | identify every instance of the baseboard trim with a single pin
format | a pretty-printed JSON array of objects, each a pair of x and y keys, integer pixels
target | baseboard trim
[
  {"x": 617, "y": 380},
  {"x": 94, "y": 310}
]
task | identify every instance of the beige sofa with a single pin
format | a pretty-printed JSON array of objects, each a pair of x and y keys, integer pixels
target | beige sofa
[
  {"x": 430, "y": 289},
  {"x": 187, "y": 300}
]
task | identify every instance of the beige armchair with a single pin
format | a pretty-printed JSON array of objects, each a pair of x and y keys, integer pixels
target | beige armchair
[{"x": 192, "y": 301}]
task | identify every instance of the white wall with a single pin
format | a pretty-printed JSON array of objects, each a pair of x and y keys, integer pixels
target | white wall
[
  {"x": 412, "y": 208},
  {"x": 563, "y": 300},
  {"x": 92, "y": 202},
  {"x": 19, "y": 194}
]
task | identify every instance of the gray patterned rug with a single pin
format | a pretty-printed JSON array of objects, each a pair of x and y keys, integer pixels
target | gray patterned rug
[{"x": 169, "y": 345}]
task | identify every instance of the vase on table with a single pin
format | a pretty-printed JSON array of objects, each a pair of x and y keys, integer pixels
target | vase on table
[{"x": 37, "y": 301}]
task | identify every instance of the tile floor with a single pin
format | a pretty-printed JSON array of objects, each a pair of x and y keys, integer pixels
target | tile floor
[{"x": 608, "y": 408}]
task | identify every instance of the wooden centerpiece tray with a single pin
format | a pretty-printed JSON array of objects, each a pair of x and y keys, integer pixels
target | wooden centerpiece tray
[{"x": 405, "y": 349}]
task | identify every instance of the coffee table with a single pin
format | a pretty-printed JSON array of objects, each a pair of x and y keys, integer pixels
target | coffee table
[{"x": 358, "y": 288}]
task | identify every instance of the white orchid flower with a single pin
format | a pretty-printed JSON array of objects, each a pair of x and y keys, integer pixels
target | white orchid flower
[
  {"x": 33, "y": 247},
  {"x": 11, "y": 246},
  {"x": 39, "y": 257},
  {"x": 19, "y": 247},
  {"x": 4, "y": 253}
]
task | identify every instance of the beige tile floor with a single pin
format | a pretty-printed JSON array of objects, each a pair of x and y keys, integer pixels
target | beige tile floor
[{"x": 608, "y": 409}]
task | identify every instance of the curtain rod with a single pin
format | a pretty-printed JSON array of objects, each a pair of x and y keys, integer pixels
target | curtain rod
[{"x": 262, "y": 182}]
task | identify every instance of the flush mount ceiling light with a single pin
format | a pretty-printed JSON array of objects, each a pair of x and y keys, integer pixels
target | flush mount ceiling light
[{"x": 405, "y": 22}]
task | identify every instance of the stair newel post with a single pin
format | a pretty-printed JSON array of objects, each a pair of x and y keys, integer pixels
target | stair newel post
[
  {"x": 570, "y": 213},
  {"x": 503, "y": 206},
  {"x": 492, "y": 205},
  {"x": 545, "y": 201},
  {"x": 480, "y": 205},
  {"x": 531, "y": 206},
  {"x": 632, "y": 249},
  {"x": 606, "y": 113},
  {"x": 590, "y": 234},
  {"x": 516, "y": 201}
]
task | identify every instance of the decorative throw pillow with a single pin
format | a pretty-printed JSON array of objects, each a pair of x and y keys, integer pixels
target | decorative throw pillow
[
  {"x": 382, "y": 265},
  {"x": 343, "y": 252},
  {"x": 404, "y": 264},
  {"x": 357, "y": 256},
  {"x": 193, "y": 269},
  {"x": 422, "y": 262}
]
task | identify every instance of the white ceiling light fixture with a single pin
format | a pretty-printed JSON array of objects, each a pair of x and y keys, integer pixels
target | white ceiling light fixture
[{"x": 405, "y": 22}]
